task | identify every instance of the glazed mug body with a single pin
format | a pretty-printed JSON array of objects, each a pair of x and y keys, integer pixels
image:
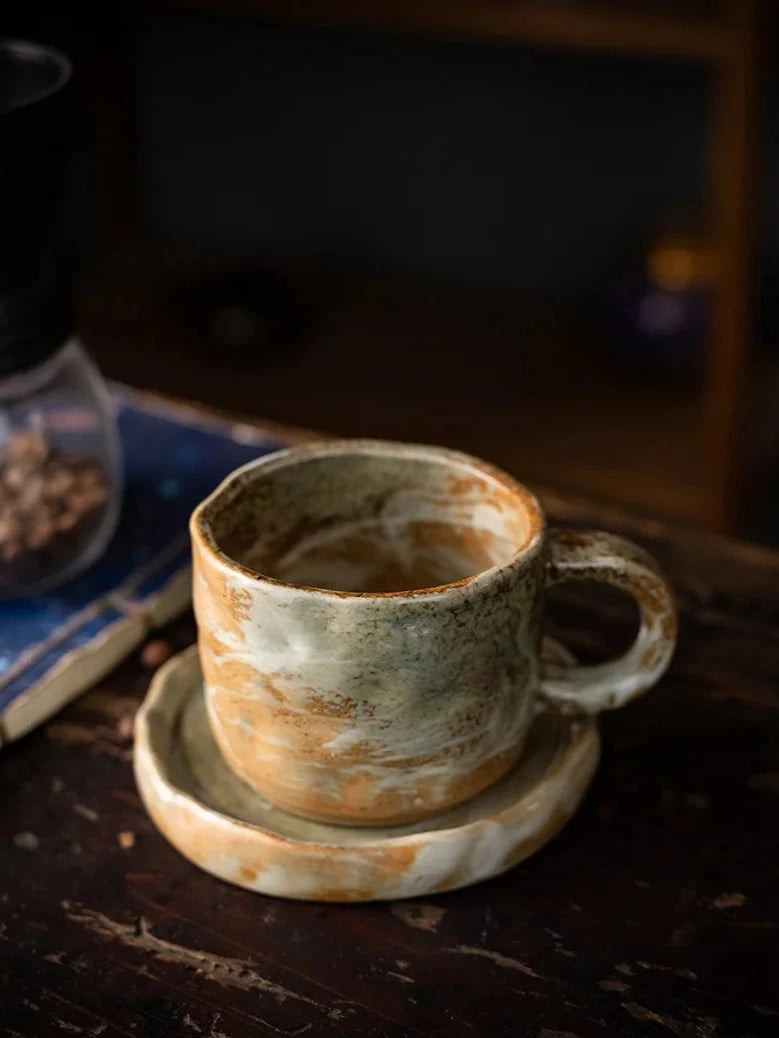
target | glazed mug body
[{"x": 369, "y": 626}]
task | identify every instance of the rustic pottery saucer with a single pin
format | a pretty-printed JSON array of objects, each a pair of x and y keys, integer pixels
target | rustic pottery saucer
[{"x": 219, "y": 823}]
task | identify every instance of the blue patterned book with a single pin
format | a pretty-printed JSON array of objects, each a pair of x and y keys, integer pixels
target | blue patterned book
[{"x": 55, "y": 645}]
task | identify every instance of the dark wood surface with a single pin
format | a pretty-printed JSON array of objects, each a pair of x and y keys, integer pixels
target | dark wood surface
[{"x": 655, "y": 913}]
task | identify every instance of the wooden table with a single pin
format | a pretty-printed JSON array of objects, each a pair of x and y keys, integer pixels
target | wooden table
[{"x": 655, "y": 913}]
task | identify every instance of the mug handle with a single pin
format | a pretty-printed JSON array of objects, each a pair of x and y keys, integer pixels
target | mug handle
[{"x": 594, "y": 555}]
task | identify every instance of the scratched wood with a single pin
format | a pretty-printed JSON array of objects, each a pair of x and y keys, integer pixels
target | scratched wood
[{"x": 655, "y": 913}]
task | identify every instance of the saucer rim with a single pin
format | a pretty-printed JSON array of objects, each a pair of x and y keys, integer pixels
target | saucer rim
[{"x": 565, "y": 781}]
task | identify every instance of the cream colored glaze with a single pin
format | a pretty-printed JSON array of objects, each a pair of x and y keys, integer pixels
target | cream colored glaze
[
  {"x": 375, "y": 708},
  {"x": 227, "y": 829},
  {"x": 385, "y": 706}
]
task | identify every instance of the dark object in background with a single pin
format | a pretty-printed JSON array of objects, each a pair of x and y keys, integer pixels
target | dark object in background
[
  {"x": 35, "y": 98},
  {"x": 60, "y": 479},
  {"x": 658, "y": 308},
  {"x": 243, "y": 314}
]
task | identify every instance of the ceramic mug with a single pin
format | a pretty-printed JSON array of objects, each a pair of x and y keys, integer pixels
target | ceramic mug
[{"x": 369, "y": 619}]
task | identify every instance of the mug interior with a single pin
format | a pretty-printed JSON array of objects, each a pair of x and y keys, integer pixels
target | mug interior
[{"x": 370, "y": 519}]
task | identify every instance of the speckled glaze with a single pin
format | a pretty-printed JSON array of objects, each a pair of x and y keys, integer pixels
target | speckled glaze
[
  {"x": 226, "y": 828},
  {"x": 369, "y": 620}
]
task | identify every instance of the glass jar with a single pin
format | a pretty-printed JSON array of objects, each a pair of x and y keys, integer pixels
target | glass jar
[
  {"x": 60, "y": 476},
  {"x": 59, "y": 450}
]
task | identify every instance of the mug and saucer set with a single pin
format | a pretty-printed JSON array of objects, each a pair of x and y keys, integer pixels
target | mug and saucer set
[{"x": 372, "y": 710}]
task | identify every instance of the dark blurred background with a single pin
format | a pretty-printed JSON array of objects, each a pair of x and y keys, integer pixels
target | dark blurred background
[{"x": 545, "y": 232}]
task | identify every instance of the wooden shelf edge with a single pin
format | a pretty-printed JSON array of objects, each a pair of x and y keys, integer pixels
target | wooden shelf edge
[{"x": 594, "y": 29}]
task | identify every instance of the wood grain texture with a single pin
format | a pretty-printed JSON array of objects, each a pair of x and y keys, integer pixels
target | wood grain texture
[{"x": 654, "y": 913}]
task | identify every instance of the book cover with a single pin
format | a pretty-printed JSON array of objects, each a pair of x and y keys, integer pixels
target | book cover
[{"x": 57, "y": 644}]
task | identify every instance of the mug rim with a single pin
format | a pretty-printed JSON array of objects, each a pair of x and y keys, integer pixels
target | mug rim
[{"x": 200, "y": 520}]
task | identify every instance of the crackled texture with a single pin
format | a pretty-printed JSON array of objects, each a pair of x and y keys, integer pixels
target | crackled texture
[
  {"x": 216, "y": 821},
  {"x": 369, "y": 623},
  {"x": 373, "y": 707}
]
